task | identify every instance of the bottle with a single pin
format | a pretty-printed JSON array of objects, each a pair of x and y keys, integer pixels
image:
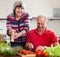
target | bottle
[{"x": 12, "y": 36}]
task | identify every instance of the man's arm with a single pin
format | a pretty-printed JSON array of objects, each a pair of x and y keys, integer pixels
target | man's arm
[
  {"x": 56, "y": 44},
  {"x": 29, "y": 44},
  {"x": 54, "y": 39}
]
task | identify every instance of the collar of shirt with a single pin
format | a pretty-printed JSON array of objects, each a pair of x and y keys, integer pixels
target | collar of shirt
[{"x": 36, "y": 31}]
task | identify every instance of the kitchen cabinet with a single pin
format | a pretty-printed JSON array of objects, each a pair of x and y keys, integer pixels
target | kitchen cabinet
[{"x": 3, "y": 26}]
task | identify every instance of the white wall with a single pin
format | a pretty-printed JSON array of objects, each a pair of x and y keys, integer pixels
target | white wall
[
  {"x": 5, "y": 7},
  {"x": 37, "y": 7},
  {"x": 33, "y": 7},
  {"x": 56, "y": 3}
]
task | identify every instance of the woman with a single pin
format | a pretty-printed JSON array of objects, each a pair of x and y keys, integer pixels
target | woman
[{"x": 18, "y": 25}]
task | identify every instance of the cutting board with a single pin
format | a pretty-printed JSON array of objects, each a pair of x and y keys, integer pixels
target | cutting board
[{"x": 28, "y": 55}]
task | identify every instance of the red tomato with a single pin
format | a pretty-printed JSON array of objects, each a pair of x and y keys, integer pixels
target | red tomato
[
  {"x": 23, "y": 51},
  {"x": 39, "y": 52},
  {"x": 31, "y": 52},
  {"x": 27, "y": 52}
]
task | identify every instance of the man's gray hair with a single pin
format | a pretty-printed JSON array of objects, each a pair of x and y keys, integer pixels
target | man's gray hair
[{"x": 43, "y": 17}]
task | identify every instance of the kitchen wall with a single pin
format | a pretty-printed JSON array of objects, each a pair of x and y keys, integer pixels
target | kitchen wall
[
  {"x": 33, "y": 7},
  {"x": 56, "y": 3},
  {"x": 56, "y": 8},
  {"x": 44, "y": 7}
]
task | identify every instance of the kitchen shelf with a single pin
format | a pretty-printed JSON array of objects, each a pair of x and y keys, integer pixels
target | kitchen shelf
[
  {"x": 54, "y": 19},
  {"x": 3, "y": 18}
]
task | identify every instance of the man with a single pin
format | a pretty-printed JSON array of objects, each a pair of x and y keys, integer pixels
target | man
[{"x": 41, "y": 36}]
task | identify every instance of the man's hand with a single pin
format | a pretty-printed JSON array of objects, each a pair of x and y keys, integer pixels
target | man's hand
[
  {"x": 39, "y": 48},
  {"x": 29, "y": 46},
  {"x": 56, "y": 44}
]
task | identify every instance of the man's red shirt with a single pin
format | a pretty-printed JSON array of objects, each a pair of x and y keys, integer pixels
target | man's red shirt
[{"x": 46, "y": 39}]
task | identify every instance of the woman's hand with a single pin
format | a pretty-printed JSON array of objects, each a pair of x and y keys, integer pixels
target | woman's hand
[{"x": 17, "y": 35}]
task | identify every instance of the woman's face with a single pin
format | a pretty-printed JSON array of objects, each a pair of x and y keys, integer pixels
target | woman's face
[{"x": 18, "y": 11}]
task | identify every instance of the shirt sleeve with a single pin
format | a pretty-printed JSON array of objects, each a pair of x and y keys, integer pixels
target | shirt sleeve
[
  {"x": 8, "y": 24},
  {"x": 26, "y": 22},
  {"x": 54, "y": 37}
]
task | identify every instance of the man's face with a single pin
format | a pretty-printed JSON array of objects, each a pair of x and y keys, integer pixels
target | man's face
[
  {"x": 41, "y": 23},
  {"x": 18, "y": 11}
]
